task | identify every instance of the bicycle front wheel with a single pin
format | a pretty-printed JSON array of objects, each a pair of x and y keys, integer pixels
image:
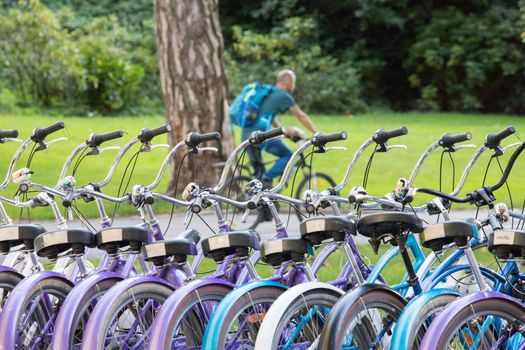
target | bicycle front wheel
[
  {"x": 487, "y": 323},
  {"x": 184, "y": 326},
  {"x": 297, "y": 317},
  {"x": 127, "y": 321},
  {"x": 241, "y": 320},
  {"x": 363, "y": 319}
]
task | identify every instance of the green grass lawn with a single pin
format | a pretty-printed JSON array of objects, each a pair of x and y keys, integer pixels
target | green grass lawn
[{"x": 424, "y": 128}]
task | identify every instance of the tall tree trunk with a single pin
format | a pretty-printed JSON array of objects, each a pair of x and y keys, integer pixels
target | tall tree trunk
[{"x": 193, "y": 80}]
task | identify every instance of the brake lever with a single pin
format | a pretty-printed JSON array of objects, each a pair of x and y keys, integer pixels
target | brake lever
[
  {"x": 160, "y": 145},
  {"x": 55, "y": 140},
  {"x": 335, "y": 148},
  {"x": 504, "y": 149},
  {"x": 464, "y": 146},
  {"x": 109, "y": 148},
  {"x": 245, "y": 215},
  {"x": 396, "y": 146},
  {"x": 12, "y": 140},
  {"x": 205, "y": 149},
  {"x": 187, "y": 217}
]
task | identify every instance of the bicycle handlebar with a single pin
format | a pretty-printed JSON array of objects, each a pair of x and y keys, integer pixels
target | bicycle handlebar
[
  {"x": 320, "y": 139},
  {"x": 96, "y": 140},
  {"x": 382, "y": 136},
  {"x": 194, "y": 139},
  {"x": 147, "y": 135},
  {"x": 39, "y": 134},
  {"x": 478, "y": 196},
  {"x": 8, "y": 134},
  {"x": 448, "y": 140},
  {"x": 493, "y": 140},
  {"x": 259, "y": 137}
]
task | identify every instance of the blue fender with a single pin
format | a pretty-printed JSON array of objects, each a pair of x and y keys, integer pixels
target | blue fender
[
  {"x": 91, "y": 332},
  {"x": 404, "y": 323},
  {"x": 217, "y": 318},
  {"x": 15, "y": 302},
  {"x": 72, "y": 303},
  {"x": 158, "y": 329},
  {"x": 435, "y": 278}
]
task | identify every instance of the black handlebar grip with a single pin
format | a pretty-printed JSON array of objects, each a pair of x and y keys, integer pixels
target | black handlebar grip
[
  {"x": 8, "y": 134},
  {"x": 493, "y": 140},
  {"x": 448, "y": 140},
  {"x": 147, "y": 135},
  {"x": 68, "y": 200},
  {"x": 194, "y": 139},
  {"x": 322, "y": 139},
  {"x": 96, "y": 139},
  {"x": 39, "y": 134},
  {"x": 260, "y": 137},
  {"x": 382, "y": 136}
]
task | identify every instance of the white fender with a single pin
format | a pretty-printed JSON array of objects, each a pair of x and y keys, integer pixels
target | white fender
[{"x": 279, "y": 308}]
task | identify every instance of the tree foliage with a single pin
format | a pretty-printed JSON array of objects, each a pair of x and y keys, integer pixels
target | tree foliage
[
  {"x": 449, "y": 55},
  {"x": 47, "y": 61}
]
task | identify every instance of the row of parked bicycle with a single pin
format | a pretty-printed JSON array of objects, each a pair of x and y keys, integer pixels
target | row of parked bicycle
[{"x": 144, "y": 291}]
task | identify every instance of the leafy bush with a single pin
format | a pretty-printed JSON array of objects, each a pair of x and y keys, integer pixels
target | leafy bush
[
  {"x": 323, "y": 83},
  {"x": 111, "y": 80},
  {"x": 470, "y": 61},
  {"x": 50, "y": 59},
  {"x": 37, "y": 56}
]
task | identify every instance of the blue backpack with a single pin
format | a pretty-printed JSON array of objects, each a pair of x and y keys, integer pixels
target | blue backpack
[{"x": 244, "y": 111}]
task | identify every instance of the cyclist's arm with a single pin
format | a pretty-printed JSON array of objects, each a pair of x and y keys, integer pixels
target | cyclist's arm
[{"x": 303, "y": 118}]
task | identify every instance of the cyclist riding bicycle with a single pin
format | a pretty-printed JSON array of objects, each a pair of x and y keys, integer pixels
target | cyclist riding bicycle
[{"x": 275, "y": 100}]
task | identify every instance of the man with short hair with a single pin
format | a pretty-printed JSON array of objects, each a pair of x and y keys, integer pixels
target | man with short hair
[{"x": 277, "y": 102}]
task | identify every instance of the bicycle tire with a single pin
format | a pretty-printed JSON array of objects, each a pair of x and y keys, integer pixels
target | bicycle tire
[
  {"x": 187, "y": 318},
  {"x": 47, "y": 289},
  {"x": 134, "y": 296},
  {"x": 349, "y": 310},
  {"x": 488, "y": 307},
  {"x": 416, "y": 329},
  {"x": 259, "y": 299},
  {"x": 84, "y": 309},
  {"x": 290, "y": 312},
  {"x": 8, "y": 281}
]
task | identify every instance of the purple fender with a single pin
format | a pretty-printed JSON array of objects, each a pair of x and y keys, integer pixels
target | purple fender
[
  {"x": 15, "y": 302},
  {"x": 158, "y": 333},
  {"x": 8, "y": 269},
  {"x": 431, "y": 338},
  {"x": 91, "y": 332},
  {"x": 71, "y": 304}
]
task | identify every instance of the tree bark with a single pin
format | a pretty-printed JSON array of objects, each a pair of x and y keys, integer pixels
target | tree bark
[{"x": 193, "y": 81}]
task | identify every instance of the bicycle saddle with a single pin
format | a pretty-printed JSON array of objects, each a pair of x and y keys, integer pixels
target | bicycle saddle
[
  {"x": 380, "y": 224},
  {"x": 52, "y": 243},
  {"x": 221, "y": 245},
  {"x": 158, "y": 252},
  {"x": 190, "y": 235},
  {"x": 439, "y": 235},
  {"x": 13, "y": 235},
  {"x": 277, "y": 251},
  {"x": 112, "y": 238},
  {"x": 318, "y": 229},
  {"x": 507, "y": 244}
]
